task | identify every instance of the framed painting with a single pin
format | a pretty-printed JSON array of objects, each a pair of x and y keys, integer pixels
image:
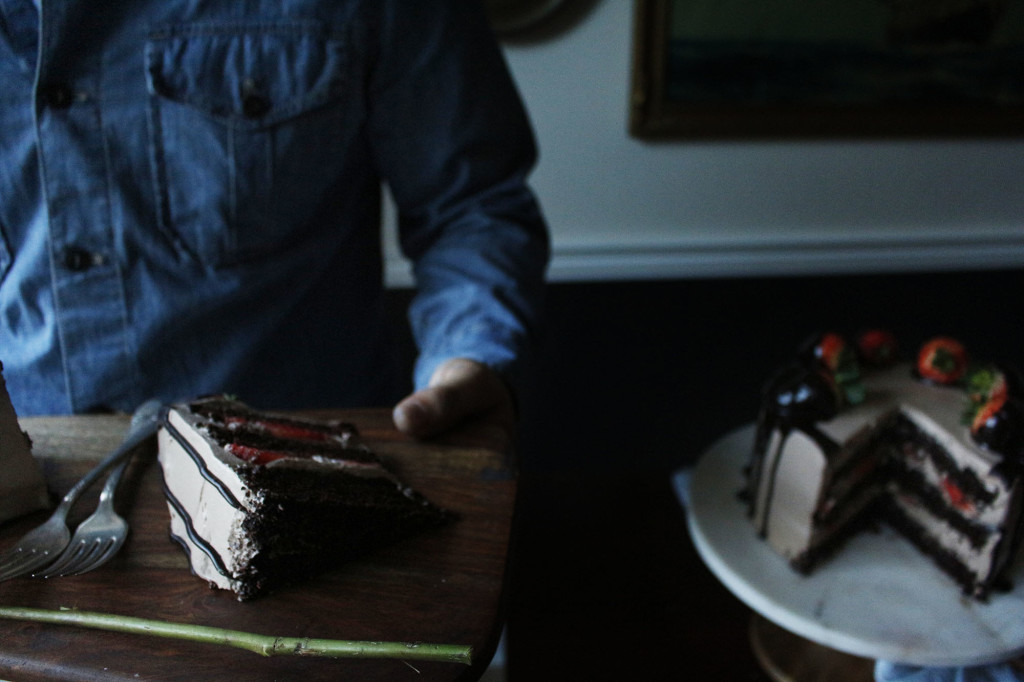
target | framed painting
[{"x": 827, "y": 68}]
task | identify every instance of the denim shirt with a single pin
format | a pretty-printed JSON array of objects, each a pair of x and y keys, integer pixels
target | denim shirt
[{"x": 190, "y": 198}]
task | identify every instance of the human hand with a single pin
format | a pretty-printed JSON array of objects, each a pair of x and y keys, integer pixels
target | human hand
[{"x": 463, "y": 396}]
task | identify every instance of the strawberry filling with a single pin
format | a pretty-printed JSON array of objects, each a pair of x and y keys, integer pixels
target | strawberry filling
[
  {"x": 877, "y": 347},
  {"x": 942, "y": 360},
  {"x": 832, "y": 345},
  {"x": 256, "y": 455},
  {"x": 987, "y": 411},
  {"x": 956, "y": 496},
  {"x": 281, "y": 429}
]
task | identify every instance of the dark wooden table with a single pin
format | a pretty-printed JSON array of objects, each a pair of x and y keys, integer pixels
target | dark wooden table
[{"x": 445, "y": 586}]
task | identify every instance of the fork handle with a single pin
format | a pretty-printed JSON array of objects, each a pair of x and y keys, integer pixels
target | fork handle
[
  {"x": 110, "y": 485},
  {"x": 140, "y": 430}
]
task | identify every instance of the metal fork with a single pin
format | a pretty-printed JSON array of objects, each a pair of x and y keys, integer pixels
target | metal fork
[
  {"x": 97, "y": 539},
  {"x": 40, "y": 546}
]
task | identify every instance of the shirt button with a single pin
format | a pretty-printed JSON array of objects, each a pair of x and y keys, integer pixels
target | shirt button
[
  {"x": 57, "y": 96},
  {"x": 76, "y": 259},
  {"x": 255, "y": 105}
]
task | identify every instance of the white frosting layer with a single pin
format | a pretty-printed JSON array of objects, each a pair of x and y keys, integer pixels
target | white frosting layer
[
  {"x": 216, "y": 521},
  {"x": 790, "y": 462}
]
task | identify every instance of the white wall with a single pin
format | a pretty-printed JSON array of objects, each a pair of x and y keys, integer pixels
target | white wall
[{"x": 624, "y": 208}]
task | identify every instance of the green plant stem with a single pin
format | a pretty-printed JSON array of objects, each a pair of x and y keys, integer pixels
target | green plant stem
[{"x": 265, "y": 645}]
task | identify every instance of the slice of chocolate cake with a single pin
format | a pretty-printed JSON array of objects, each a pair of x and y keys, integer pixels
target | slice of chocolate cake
[
  {"x": 22, "y": 488},
  {"x": 259, "y": 500}
]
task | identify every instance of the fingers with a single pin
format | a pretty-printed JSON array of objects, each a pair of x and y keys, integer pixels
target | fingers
[{"x": 460, "y": 390}]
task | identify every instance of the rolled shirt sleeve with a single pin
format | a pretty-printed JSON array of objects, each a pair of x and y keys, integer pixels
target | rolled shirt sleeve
[{"x": 455, "y": 146}]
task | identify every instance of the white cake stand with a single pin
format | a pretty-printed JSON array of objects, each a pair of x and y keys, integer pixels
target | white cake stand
[{"x": 878, "y": 597}]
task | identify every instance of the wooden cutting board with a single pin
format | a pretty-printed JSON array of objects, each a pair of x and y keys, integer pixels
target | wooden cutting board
[{"x": 444, "y": 586}]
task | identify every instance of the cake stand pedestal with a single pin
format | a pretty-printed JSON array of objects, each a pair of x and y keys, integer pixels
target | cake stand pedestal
[
  {"x": 786, "y": 657},
  {"x": 877, "y": 598}
]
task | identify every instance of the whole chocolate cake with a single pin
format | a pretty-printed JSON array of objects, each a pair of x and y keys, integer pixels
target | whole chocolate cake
[
  {"x": 258, "y": 500},
  {"x": 847, "y": 438}
]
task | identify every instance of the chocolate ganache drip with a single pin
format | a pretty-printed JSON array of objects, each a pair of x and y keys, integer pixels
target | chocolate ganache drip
[
  {"x": 802, "y": 395},
  {"x": 995, "y": 414},
  {"x": 1003, "y": 432},
  {"x": 797, "y": 396}
]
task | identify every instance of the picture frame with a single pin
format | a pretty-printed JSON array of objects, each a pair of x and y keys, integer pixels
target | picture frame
[{"x": 733, "y": 69}]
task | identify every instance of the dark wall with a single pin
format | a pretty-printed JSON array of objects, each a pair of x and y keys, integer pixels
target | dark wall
[{"x": 646, "y": 375}]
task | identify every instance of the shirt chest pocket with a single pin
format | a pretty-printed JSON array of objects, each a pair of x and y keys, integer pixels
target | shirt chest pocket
[{"x": 243, "y": 120}]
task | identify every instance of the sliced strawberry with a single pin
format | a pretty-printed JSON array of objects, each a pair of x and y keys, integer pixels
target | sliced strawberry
[
  {"x": 282, "y": 429},
  {"x": 877, "y": 347},
  {"x": 838, "y": 358},
  {"x": 956, "y": 496},
  {"x": 987, "y": 411},
  {"x": 292, "y": 430},
  {"x": 942, "y": 360},
  {"x": 255, "y": 455},
  {"x": 985, "y": 383},
  {"x": 830, "y": 349},
  {"x": 1000, "y": 390},
  {"x": 1003, "y": 430}
]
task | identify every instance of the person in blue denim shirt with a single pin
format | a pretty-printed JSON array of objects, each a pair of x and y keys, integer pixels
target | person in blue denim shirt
[{"x": 190, "y": 203}]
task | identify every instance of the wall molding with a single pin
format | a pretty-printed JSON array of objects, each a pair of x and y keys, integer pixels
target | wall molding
[{"x": 610, "y": 260}]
